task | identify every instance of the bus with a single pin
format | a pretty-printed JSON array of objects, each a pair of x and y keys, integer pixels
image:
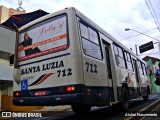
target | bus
[{"x": 64, "y": 58}]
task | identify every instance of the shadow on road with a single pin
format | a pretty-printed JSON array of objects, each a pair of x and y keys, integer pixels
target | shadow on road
[{"x": 106, "y": 112}]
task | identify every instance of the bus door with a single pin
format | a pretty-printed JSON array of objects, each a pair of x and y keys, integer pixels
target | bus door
[
  {"x": 109, "y": 72},
  {"x": 136, "y": 75}
]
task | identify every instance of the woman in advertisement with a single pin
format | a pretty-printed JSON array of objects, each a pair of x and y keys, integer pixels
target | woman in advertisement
[{"x": 27, "y": 42}]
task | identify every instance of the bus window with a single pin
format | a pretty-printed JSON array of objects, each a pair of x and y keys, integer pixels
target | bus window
[
  {"x": 90, "y": 44},
  {"x": 144, "y": 69},
  {"x": 119, "y": 56},
  {"x": 128, "y": 61},
  {"x": 93, "y": 36},
  {"x": 84, "y": 31},
  {"x": 140, "y": 67},
  {"x": 120, "y": 52},
  {"x": 115, "y": 50}
]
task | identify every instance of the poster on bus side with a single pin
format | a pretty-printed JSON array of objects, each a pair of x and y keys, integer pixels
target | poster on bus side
[{"x": 43, "y": 38}]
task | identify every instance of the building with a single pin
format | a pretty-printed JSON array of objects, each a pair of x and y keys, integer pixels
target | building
[
  {"x": 7, "y": 48},
  {"x": 7, "y": 39},
  {"x": 6, "y": 67},
  {"x": 152, "y": 63},
  {"x": 5, "y": 13}
]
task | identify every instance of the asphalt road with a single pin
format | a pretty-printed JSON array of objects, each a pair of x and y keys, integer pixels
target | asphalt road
[{"x": 139, "y": 109}]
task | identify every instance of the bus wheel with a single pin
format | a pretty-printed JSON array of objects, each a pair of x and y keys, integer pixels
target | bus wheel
[
  {"x": 81, "y": 108},
  {"x": 145, "y": 98},
  {"x": 125, "y": 99}
]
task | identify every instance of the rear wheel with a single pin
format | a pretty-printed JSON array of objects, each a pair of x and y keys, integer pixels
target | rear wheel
[
  {"x": 81, "y": 108},
  {"x": 125, "y": 99},
  {"x": 145, "y": 98}
]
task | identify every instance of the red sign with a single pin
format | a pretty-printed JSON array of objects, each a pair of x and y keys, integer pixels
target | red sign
[{"x": 40, "y": 93}]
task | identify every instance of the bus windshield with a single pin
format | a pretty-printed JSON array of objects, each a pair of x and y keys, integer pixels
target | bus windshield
[{"x": 43, "y": 38}]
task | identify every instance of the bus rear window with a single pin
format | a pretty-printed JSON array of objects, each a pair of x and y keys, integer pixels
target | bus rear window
[{"x": 43, "y": 38}]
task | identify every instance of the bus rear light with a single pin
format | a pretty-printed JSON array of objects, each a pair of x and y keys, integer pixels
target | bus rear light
[
  {"x": 70, "y": 89},
  {"x": 17, "y": 94},
  {"x": 88, "y": 92}
]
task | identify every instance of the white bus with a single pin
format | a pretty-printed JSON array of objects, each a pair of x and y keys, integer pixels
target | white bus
[{"x": 66, "y": 59}]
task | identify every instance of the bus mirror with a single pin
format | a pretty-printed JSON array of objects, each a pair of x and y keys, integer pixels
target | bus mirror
[{"x": 16, "y": 75}]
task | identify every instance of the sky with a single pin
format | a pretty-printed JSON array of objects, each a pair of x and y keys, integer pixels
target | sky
[{"x": 112, "y": 15}]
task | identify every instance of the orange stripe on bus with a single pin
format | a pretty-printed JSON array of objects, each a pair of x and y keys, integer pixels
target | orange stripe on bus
[
  {"x": 43, "y": 42},
  {"x": 43, "y": 52},
  {"x": 44, "y": 78}
]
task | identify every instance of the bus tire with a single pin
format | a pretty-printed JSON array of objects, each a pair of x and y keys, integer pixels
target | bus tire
[
  {"x": 125, "y": 99},
  {"x": 81, "y": 108},
  {"x": 145, "y": 98}
]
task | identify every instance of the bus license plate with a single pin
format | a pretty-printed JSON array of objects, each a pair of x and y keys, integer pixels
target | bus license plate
[{"x": 40, "y": 93}]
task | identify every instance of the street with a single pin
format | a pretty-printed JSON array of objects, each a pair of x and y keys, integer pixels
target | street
[{"x": 138, "y": 110}]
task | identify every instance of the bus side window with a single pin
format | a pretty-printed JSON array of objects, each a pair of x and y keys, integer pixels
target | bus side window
[
  {"x": 140, "y": 67},
  {"x": 119, "y": 56},
  {"x": 116, "y": 54},
  {"x": 84, "y": 31},
  {"x": 128, "y": 61},
  {"x": 144, "y": 69},
  {"x": 93, "y": 36},
  {"x": 90, "y": 42}
]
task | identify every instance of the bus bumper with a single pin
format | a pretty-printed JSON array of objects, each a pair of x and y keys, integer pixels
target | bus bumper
[{"x": 66, "y": 99}]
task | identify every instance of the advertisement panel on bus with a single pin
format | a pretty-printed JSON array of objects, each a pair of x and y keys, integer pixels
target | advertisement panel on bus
[{"x": 44, "y": 38}]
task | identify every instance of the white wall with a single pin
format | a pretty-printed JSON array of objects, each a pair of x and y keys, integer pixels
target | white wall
[
  {"x": 7, "y": 40},
  {"x": 6, "y": 72}
]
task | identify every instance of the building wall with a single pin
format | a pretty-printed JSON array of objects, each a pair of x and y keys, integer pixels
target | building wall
[
  {"x": 7, "y": 39},
  {"x": 14, "y": 12},
  {"x": 4, "y": 58},
  {"x": 153, "y": 66},
  {"x": 7, "y": 98},
  {"x": 4, "y": 14},
  {"x": 157, "y": 87},
  {"x": 6, "y": 86},
  {"x": 7, "y": 48}
]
